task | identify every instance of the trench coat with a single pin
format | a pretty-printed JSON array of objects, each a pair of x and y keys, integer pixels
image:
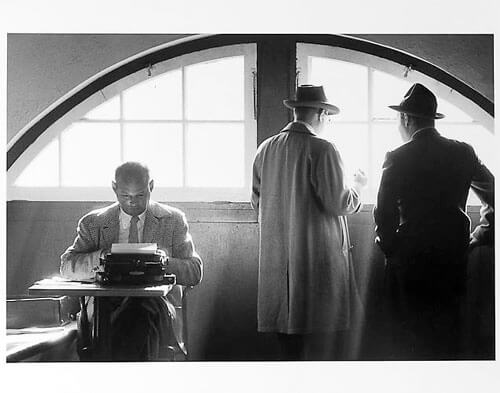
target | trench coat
[{"x": 305, "y": 281}]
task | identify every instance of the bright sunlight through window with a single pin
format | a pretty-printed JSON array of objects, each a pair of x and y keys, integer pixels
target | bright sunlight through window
[
  {"x": 366, "y": 129},
  {"x": 189, "y": 125}
]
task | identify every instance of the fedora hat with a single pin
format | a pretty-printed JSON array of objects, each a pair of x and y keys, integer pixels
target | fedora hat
[
  {"x": 310, "y": 96},
  {"x": 419, "y": 101}
]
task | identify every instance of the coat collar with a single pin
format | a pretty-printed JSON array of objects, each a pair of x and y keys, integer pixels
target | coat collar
[
  {"x": 423, "y": 132},
  {"x": 296, "y": 126},
  {"x": 151, "y": 224}
]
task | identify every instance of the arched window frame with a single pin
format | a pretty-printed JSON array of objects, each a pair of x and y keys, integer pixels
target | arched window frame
[
  {"x": 247, "y": 50},
  {"x": 307, "y": 50},
  {"x": 304, "y": 50},
  {"x": 41, "y": 126}
]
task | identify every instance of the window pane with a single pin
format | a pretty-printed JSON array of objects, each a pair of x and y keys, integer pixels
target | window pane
[
  {"x": 215, "y": 155},
  {"x": 472, "y": 199},
  {"x": 387, "y": 90},
  {"x": 43, "y": 170},
  {"x": 451, "y": 112},
  {"x": 479, "y": 137},
  {"x": 385, "y": 138},
  {"x": 215, "y": 90},
  {"x": 351, "y": 140},
  {"x": 90, "y": 154},
  {"x": 345, "y": 86},
  {"x": 158, "y": 98},
  {"x": 160, "y": 147},
  {"x": 109, "y": 110}
]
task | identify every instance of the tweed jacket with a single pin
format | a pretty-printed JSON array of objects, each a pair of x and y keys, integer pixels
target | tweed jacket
[
  {"x": 306, "y": 279},
  {"x": 164, "y": 225},
  {"x": 421, "y": 204}
]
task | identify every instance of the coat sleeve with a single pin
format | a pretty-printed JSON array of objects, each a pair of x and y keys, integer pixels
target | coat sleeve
[
  {"x": 184, "y": 262},
  {"x": 483, "y": 185},
  {"x": 79, "y": 260},
  {"x": 386, "y": 213},
  {"x": 327, "y": 180},
  {"x": 256, "y": 173}
]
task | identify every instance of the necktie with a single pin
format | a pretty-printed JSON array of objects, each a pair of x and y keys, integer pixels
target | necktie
[{"x": 133, "y": 235}]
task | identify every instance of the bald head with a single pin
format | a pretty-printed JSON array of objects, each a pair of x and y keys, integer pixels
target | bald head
[
  {"x": 132, "y": 171},
  {"x": 132, "y": 187}
]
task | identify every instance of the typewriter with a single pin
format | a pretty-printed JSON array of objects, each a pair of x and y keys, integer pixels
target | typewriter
[{"x": 137, "y": 263}]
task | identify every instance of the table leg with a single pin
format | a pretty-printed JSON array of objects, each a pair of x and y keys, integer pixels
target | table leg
[
  {"x": 85, "y": 335},
  {"x": 102, "y": 334}
]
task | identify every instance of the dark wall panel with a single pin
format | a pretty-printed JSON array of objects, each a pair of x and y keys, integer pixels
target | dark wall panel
[{"x": 275, "y": 82}]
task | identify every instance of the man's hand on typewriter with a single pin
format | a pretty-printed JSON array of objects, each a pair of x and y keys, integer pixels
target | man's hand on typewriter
[
  {"x": 102, "y": 258},
  {"x": 104, "y": 251},
  {"x": 164, "y": 255},
  {"x": 98, "y": 269}
]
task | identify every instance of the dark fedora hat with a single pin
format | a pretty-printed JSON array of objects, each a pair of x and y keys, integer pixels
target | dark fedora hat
[
  {"x": 419, "y": 101},
  {"x": 310, "y": 96}
]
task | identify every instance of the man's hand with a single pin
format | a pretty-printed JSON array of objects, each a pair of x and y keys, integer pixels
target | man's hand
[
  {"x": 102, "y": 257},
  {"x": 360, "y": 180},
  {"x": 473, "y": 243},
  {"x": 162, "y": 252},
  {"x": 103, "y": 254}
]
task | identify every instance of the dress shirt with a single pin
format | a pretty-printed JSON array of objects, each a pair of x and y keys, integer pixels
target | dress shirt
[{"x": 125, "y": 226}]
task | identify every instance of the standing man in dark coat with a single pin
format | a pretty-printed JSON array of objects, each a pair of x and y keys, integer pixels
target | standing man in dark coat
[{"x": 424, "y": 231}]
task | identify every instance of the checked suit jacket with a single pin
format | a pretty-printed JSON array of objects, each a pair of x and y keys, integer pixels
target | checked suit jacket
[{"x": 164, "y": 225}]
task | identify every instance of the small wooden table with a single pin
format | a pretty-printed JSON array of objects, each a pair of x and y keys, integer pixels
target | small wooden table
[{"x": 101, "y": 343}]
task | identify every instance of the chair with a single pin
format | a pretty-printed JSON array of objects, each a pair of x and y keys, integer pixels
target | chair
[
  {"x": 84, "y": 337},
  {"x": 41, "y": 329},
  {"x": 175, "y": 353}
]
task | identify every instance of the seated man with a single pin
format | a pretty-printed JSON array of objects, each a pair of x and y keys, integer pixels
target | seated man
[{"x": 140, "y": 327}]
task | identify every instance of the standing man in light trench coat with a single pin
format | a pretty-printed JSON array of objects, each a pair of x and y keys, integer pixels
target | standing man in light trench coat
[{"x": 306, "y": 293}]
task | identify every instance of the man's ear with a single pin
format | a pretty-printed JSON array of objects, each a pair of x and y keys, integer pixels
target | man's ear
[
  {"x": 113, "y": 185},
  {"x": 151, "y": 185},
  {"x": 405, "y": 119}
]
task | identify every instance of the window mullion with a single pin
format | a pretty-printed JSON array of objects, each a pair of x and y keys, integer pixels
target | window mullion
[
  {"x": 370, "y": 169},
  {"x": 184, "y": 128},
  {"x": 122, "y": 131},
  {"x": 59, "y": 161},
  {"x": 189, "y": 184}
]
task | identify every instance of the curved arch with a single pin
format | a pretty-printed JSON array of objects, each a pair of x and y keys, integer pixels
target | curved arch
[{"x": 201, "y": 42}]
